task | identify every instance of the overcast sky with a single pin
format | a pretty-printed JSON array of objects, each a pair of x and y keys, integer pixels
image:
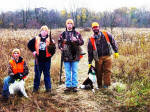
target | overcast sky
[{"x": 95, "y": 5}]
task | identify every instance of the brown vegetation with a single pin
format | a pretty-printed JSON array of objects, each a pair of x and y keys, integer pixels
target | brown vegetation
[{"x": 132, "y": 68}]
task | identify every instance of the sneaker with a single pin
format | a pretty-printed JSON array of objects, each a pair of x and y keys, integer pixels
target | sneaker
[
  {"x": 68, "y": 89},
  {"x": 74, "y": 89}
]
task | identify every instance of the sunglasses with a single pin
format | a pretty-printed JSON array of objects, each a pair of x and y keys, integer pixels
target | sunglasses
[
  {"x": 15, "y": 53},
  {"x": 95, "y": 27}
]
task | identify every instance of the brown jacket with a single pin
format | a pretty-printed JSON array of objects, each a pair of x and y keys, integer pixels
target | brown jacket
[{"x": 102, "y": 46}]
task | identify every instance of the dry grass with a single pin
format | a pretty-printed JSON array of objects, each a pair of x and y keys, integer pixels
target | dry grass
[
  {"x": 132, "y": 67},
  {"x": 19, "y": 39}
]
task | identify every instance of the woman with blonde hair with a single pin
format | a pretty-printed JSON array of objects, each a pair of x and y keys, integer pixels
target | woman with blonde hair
[{"x": 39, "y": 47}]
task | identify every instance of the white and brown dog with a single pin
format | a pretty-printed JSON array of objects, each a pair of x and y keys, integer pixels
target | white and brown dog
[
  {"x": 18, "y": 86},
  {"x": 91, "y": 81}
]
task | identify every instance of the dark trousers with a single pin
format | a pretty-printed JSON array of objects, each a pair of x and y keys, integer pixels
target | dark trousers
[
  {"x": 103, "y": 68},
  {"x": 38, "y": 69}
]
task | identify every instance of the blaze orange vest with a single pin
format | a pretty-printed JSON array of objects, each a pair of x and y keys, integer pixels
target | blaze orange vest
[
  {"x": 93, "y": 40},
  {"x": 37, "y": 45},
  {"x": 17, "y": 67}
]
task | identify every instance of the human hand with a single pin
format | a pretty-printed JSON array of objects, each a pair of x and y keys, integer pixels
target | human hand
[
  {"x": 74, "y": 39},
  {"x": 89, "y": 65},
  {"x": 11, "y": 74},
  {"x": 61, "y": 49},
  {"x": 34, "y": 53},
  {"x": 116, "y": 55}
]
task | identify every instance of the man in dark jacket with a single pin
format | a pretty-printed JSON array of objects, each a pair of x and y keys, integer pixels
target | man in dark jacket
[
  {"x": 99, "y": 49},
  {"x": 69, "y": 43},
  {"x": 38, "y": 46}
]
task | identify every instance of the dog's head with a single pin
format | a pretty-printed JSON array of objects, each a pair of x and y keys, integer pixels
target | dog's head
[
  {"x": 92, "y": 70},
  {"x": 92, "y": 75}
]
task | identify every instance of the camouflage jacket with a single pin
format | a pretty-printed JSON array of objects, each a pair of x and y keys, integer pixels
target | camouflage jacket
[{"x": 70, "y": 49}]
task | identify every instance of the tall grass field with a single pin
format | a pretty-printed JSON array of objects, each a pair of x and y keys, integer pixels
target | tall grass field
[{"x": 132, "y": 68}]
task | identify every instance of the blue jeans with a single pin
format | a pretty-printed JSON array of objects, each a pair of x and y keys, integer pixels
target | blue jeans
[
  {"x": 7, "y": 81},
  {"x": 38, "y": 69},
  {"x": 71, "y": 69}
]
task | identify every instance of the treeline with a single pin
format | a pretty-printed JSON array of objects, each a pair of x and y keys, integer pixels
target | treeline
[{"x": 121, "y": 17}]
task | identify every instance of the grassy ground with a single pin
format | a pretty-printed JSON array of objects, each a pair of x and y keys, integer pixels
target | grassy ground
[{"x": 130, "y": 78}]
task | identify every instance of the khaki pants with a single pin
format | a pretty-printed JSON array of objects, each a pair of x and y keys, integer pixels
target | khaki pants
[{"x": 103, "y": 67}]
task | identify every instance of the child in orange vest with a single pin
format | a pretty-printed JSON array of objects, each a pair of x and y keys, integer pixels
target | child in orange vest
[{"x": 17, "y": 69}]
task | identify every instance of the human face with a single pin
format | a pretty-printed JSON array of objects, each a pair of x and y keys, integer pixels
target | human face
[
  {"x": 44, "y": 33},
  {"x": 16, "y": 55},
  {"x": 96, "y": 30},
  {"x": 69, "y": 26}
]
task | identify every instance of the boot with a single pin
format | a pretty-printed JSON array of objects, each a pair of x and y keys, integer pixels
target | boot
[
  {"x": 35, "y": 90},
  {"x": 4, "y": 98},
  {"x": 74, "y": 89},
  {"x": 48, "y": 90},
  {"x": 68, "y": 89}
]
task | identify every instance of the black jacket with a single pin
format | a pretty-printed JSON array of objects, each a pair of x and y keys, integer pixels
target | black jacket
[{"x": 42, "y": 53}]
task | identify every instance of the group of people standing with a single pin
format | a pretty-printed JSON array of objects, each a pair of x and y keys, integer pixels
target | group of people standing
[{"x": 69, "y": 42}]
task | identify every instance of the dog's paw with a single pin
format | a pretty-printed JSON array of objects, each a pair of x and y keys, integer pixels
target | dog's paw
[
  {"x": 82, "y": 86},
  {"x": 97, "y": 88},
  {"x": 26, "y": 96},
  {"x": 93, "y": 90}
]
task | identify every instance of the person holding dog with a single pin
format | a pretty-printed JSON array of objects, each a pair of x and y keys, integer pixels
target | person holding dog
[
  {"x": 69, "y": 43},
  {"x": 17, "y": 69},
  {"x": 100, "y": 47},
  {"x": 39, "y": 48}
]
